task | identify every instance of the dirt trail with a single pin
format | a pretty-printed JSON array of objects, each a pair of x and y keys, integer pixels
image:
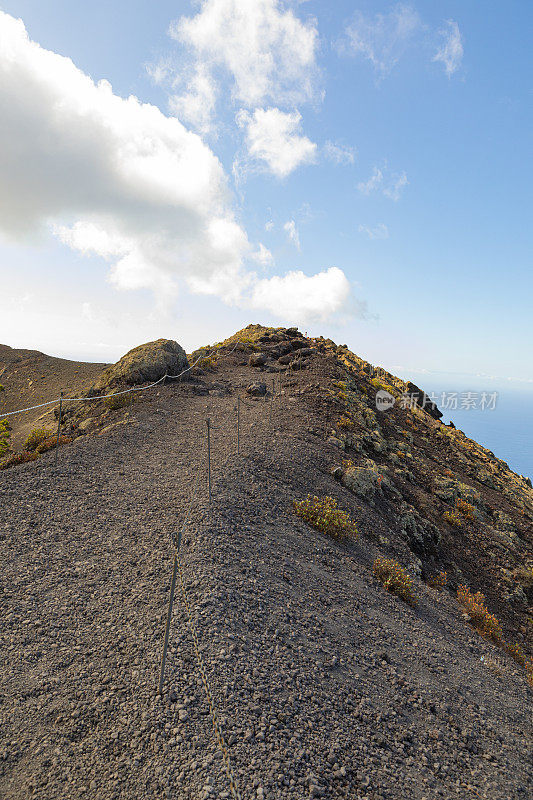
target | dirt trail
[{"x": 326, "y": 686}]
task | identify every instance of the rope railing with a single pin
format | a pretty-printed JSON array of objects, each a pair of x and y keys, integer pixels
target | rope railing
[
  {"x": 176, "y": 540},
  {"x": 166, "y": 376}
]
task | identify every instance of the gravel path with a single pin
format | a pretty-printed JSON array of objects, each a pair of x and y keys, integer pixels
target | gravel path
[{"x": 326, "y": 686}]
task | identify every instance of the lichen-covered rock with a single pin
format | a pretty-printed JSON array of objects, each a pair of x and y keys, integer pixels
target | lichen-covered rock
[
  {"x": 367, "y": 481},
  {"x": 450, "y": 490},
  {"x": 421, "y": 535},
  {"x": 502, "y": 522},
  {"x": 144, "y": 364}
]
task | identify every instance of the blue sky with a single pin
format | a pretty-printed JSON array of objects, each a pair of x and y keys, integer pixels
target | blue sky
[{"x": 385, "y": 151}]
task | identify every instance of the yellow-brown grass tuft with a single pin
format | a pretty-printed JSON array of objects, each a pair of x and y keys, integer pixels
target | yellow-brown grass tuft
[
  {"x": 323, "y": 514},
  {"x": 395, "y": 579},
  {"x": 480, "y": 617},
  {"x": 439, "y": 580}
]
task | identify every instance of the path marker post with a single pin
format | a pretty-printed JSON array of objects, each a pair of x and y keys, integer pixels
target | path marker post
[
  {"x": 209, "y": 461},
  {"x": 59, "y": 425},
  {"x": 169, "y": 614},
  {"x": 238, "y": 424}
]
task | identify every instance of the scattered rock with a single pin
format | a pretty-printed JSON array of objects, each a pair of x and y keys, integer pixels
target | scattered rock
[
  {"x": 257, "y": 359},
  {"x": 257, "y": 389}
]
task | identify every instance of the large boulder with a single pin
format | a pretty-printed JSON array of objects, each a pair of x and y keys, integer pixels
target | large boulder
[{"x": 144, "y": 364}]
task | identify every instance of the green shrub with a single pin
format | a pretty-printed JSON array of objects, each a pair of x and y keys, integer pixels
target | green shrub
[
  {"x": 35, "y": 438},
  {"x": 453, "y": 519},
  {"x": 322, "y": 513},
  {"x": 118, "y": 401},
  {"x": 5, "y": 433},
  {"x": 395, "y": 579}
]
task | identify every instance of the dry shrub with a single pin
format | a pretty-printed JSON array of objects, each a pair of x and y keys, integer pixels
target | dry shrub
[
  {"x": 18, "y": 458},
  {"x": 481, "y": 618},
  {"x": 438, "y": 581},
  {"x": 51, "y": 442},
  {"x": 489, "y": 626},
  {"x": 323, "y": 514},
  {"x": 36, "y": 437},
  {"x": 395, "y": 579},
  {"x": 466, "y": 510}
]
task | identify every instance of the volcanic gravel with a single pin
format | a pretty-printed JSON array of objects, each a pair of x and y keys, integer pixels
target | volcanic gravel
[{"x": 325, "y": 685}]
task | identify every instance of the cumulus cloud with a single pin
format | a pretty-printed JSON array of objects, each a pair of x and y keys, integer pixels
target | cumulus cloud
[
  {"x": 379, "y": 231},
  {"x": 451, "y": 51},
  {"x": 339, "y": 153},
  {"x": 117, "y": 178},
  {"x": 113, "y": 176},
  {"x": 384, "y": 38},
  {"x": 273, "y": 138},
  {"x": 296, "y": 295},
  {"x": 265, "y": 51}
]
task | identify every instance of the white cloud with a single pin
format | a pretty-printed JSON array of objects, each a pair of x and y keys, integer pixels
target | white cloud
[
  {"x": 273, "y": 137},
  {"x": 292, "y": 232},
  {"x": 339, "y": 153},
  {"x": 263, "y": 256},
  {"x": 117, "y": 178},
  {"x": 197, "y": 104},
  {"x": 383, "y": 39},
  {"x": 112, "y": 176},
  {"x": 395, "y": 187},
  {"x": 451, "y": 52},
  {"x": 379, "y": 231},
  {"x": 267, "y": 53},
  {"x": 298, "y": 297},
  {"x": 269, "y": 225},
  {"x": 391, "y": 186},
  {"x": 375, "y": 180}
]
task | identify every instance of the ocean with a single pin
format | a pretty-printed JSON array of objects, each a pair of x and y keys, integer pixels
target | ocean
[{"x": 506, "y": 428}]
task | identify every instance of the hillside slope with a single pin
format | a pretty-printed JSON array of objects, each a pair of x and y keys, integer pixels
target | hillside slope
[
  {"x": 325, "y": 684},
  {"x": 30, "y": 377}
]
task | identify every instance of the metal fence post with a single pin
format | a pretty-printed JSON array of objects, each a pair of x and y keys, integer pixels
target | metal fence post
[
  {"x": 209, "y": 459},
  {"x": 238, "y": 424},
  {"x": 169, "y": 615},
  {"x": 59, "y": 425}
]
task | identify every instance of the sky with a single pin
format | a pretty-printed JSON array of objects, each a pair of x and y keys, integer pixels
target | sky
[{"x": 361, "y": 170}]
